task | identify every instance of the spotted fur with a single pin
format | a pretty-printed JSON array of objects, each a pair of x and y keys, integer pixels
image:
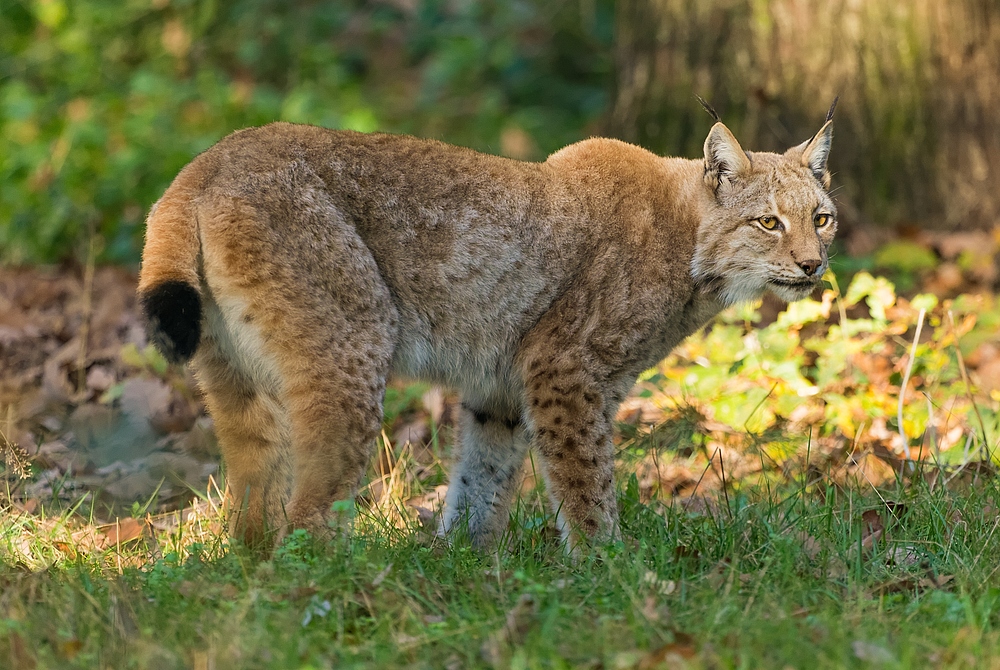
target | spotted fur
[{"x": 313, "y": 264}]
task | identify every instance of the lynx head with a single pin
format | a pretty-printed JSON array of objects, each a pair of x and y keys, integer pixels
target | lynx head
[{"x": 769, "y": 219}]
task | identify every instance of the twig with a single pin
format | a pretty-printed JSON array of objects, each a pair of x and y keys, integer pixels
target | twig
[
  {"x": 843, "y": 318},
  {"x": 725, "y": 490},
  {"x": 704, "y": 472},
  {"x": 88, "y": 290},
  {"x": 906, "y": 379}
]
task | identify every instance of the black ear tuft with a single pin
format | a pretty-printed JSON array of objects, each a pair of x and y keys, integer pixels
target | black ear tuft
[
  {"x": 173, "y": 319},
  {"x": 709, "y": 108},
  {"x": 833, "y": 107}
]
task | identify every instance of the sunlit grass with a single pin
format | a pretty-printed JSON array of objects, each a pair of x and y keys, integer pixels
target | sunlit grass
[{"x": 790, "y": 577}]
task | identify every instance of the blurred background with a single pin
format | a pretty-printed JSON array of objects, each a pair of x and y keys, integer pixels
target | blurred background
[{"x": 103, "y": 101}]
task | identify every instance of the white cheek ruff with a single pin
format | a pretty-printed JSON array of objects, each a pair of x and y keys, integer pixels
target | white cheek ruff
[
  {"x": 792, "y": 293},
  {"x": 742, "y": 288}
]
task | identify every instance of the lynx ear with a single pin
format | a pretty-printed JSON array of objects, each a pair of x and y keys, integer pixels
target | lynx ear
[
  {"x": 816, "y": 151},
  {"x": 725, "y": 159}
]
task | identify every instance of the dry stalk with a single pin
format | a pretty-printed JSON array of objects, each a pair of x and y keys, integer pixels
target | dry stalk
[
  {"x": 906, "y": 380},
  {"x": 86, "y": 309},
  {"x": 965, "y": 380}
]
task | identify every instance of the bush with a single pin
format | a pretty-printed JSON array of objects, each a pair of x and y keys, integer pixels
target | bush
[{"x": 103, "y": 101}]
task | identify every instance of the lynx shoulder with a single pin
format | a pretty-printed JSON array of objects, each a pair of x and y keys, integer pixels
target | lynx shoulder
[{"x": 299, "y": 268}]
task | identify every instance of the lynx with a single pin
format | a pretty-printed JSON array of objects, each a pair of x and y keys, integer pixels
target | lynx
[{"x": 299, "y": 268}]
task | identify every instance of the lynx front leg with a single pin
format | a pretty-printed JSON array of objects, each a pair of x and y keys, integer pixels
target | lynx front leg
[
  {"x": 485, "y": 479},
  {"x": 571, "y": 420}
]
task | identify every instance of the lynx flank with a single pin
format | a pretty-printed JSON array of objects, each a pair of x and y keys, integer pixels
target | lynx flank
[{"x": 299, "y": 268}]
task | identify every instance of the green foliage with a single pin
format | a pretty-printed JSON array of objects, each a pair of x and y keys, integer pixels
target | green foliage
[
  {"x": 905, "y": 256},
  {"x": 399, "y": 400},
  {"x": 835, "y": 367},
  {"x": 102, "y": 102}
]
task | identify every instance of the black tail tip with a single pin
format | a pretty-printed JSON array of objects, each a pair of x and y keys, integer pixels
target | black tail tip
[{"x": 173, "y": 319}]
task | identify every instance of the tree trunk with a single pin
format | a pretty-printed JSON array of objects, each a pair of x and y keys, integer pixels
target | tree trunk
[{"x": 917, "y": 134}]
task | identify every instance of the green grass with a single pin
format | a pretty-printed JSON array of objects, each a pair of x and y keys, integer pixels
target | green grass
[{"x": 755, "y": 582}]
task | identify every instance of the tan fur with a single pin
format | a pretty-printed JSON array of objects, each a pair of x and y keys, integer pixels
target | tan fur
[{"x": 328, "y": 260}]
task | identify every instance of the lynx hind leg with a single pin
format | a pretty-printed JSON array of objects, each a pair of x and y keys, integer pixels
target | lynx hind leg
[
  {"x": 486, "y": 478},
  {"x": 572, "y": 430},
  {"x": 309, "y": 306},
  {"x": 335, "y": 417},
  {"x": 253, "y": 437},
  {"x": 334, "y": 361}
]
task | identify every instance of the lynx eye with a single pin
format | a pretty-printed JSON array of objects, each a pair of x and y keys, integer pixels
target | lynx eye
[
  {"x": 821, "y": 220},
  {"x": 768, "y": 222}
]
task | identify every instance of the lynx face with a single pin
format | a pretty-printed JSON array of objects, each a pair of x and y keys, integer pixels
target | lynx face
[{"x": 771, "y": 222}]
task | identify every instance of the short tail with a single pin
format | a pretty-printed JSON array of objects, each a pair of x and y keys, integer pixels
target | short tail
[{"x": 169, "y": 282}]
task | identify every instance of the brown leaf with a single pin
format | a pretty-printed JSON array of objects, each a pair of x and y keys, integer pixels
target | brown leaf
[
  {"x": 872, "y": 529},
  {"x": 673, "y": 655},
  {"x": 65, "y": 547},
  {"x": 68, "y": 649},
  {"x": 28, "y": 506},
  {"x": 123, "y": 530},
  {"x": 906, "y": 584},
  {"x": 868, "y": 470},
  {"x": 972, "y": 474},
  {"x": 935, "y": 581}
]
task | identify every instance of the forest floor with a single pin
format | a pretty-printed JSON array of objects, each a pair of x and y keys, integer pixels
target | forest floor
[{"x": 776, "y": 512}]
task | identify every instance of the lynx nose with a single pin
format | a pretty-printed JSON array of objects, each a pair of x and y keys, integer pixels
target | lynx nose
[{"x": 810, "y": 266}]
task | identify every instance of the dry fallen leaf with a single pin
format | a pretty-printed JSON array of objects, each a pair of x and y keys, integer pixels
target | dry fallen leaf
[
  {"x": 872, "y": 529},
  {"x": 673, "y": 655},
  {"x": 122, "y": 530},
  {"x": 68, "y": 649}
]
